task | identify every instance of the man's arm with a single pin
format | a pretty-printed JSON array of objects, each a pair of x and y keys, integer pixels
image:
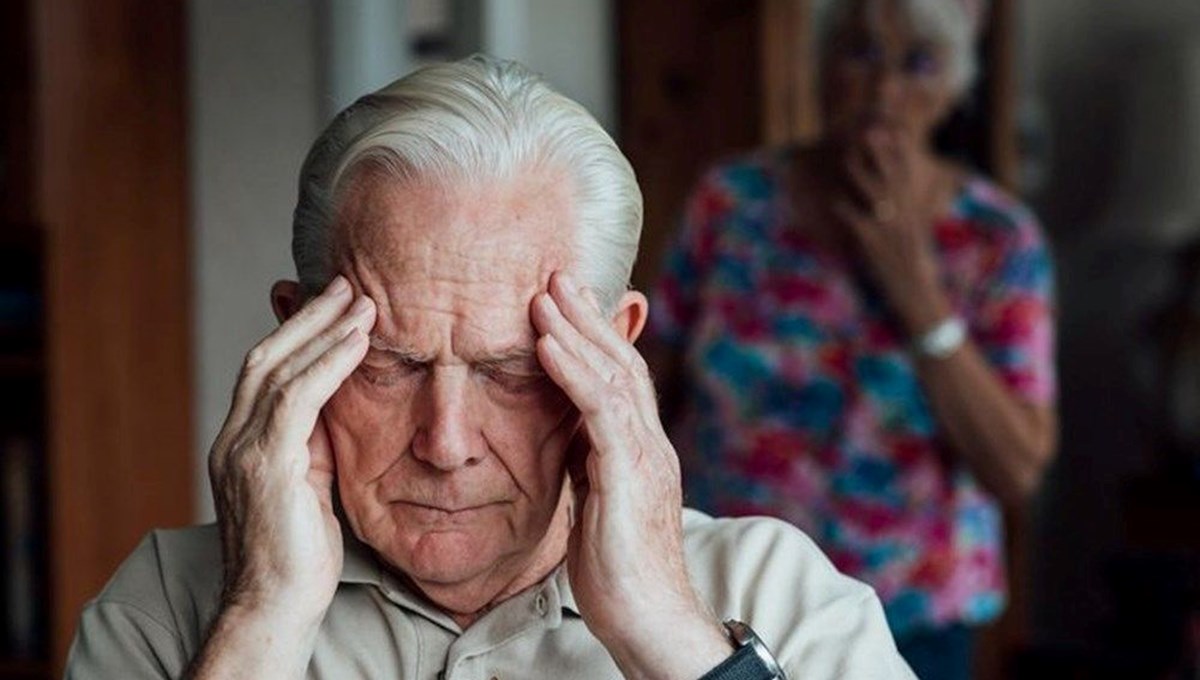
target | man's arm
[
  {"x": 626, "y": 559},
  {"x": 272, "y": 472}
]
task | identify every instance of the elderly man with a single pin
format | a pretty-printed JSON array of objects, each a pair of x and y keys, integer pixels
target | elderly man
[{"x": 447, "y": 461}]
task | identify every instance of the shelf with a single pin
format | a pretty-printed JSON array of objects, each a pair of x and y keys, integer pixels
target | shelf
[
  {"x": 20, "y": 366},
  {"x": 11, "y": 669}
]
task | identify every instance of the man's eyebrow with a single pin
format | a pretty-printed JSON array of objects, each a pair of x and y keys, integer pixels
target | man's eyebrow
[
  {"x": 508, "y": 357},
  {"x": 523, "y": 358},
  {"x": 406, "y": 354}
]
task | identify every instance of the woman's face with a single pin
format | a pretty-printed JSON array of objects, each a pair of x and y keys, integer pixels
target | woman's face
[{"x": 880, "y": 76}]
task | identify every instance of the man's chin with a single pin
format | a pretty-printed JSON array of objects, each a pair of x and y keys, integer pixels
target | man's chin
[{"x": 448, "y": 557}]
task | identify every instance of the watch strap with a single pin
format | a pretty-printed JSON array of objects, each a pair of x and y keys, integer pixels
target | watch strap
[{"x": 743, "y": 665}]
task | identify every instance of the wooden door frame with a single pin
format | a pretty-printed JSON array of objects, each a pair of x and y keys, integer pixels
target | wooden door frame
[{"x": 111, "y": 196}]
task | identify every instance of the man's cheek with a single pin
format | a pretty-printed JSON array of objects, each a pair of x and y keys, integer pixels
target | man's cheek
[{"x": 365, "y": 433}]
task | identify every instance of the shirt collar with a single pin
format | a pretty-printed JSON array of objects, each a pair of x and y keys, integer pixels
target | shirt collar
[
  {"x": 566, "y": 596},
  {"x": 361, "y": 565}
]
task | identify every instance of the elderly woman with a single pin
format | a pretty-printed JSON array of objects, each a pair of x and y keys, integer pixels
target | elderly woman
[{"x": 859, "y": 334}]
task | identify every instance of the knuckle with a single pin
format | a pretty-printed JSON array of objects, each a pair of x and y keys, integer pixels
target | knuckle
[
  {"x": 276, "y": 382},
  {"x": 255, "y": 358},
  {"x": 615, "y": 402},
  {"x": 287, "y": 400},
  {"x": 637, "y": 366}
]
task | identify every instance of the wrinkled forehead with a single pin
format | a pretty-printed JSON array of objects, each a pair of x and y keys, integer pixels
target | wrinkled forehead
[{"x": 471, "y": 255}]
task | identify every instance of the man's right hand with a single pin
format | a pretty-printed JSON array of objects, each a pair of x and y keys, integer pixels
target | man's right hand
[{"x": 272, "y": 474}]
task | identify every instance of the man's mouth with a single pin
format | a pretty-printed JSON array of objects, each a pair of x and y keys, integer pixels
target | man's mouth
[{"x": 441, "y": 513}]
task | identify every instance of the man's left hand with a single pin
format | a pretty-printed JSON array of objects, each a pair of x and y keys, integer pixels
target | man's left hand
[{"x": 626, "y": 558}]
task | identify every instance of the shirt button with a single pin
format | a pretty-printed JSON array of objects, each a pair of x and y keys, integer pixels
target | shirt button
[{"x": 540, "y": 603}]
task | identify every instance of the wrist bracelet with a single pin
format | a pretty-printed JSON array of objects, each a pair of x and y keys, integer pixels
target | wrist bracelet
[{"x": 942, "y": 340}]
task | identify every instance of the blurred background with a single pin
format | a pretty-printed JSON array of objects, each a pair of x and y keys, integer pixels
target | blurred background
[{"x": 149, "y": 162}]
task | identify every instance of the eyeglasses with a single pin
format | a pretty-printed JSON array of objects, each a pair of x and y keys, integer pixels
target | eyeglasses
[{"x": 918, "y": 63}]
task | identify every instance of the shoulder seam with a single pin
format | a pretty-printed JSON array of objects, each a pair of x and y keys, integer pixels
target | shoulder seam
[
  {"x": 136, "y": 608},
  {"x": 162, "y": 578}
]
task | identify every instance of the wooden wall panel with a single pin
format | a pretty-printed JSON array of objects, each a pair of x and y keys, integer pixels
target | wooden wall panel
[
  {"x": 790, "y": 111},
  {"x": 690, "y": 92},
  {"x": 111, "y": 194}
]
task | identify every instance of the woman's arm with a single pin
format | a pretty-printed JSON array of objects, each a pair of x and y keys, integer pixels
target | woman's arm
[{"x": 1006, "y": 440}]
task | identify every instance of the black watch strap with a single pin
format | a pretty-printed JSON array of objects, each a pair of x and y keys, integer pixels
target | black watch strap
[{"x": 743, "y": 665}]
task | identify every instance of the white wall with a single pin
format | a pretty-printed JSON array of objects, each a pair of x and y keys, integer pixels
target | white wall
[
  {"x": 255, "y": 98},
  {"x": 570, "y": 43}
]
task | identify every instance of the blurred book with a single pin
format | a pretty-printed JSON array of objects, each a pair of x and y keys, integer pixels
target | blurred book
[
  {"x": 19, "y": 547},
  {"x": 20, "y": 310}
]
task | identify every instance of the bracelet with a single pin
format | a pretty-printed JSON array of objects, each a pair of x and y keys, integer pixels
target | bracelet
[{"x": 942, "y": 340}]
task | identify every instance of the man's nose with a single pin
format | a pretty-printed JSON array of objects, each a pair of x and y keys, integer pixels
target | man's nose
[{"x": 447, "y": 437}]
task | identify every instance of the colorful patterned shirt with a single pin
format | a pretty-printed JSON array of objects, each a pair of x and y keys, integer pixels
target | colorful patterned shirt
[{"x": 802, "y": 400}]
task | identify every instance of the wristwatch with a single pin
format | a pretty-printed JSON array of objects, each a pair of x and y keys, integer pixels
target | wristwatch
[
  {"x": 751, "y": 661},
  {"x": 942, "y": 340}
]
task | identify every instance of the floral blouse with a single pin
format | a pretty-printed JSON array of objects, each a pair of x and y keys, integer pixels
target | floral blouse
[{"x": 802, "y": 399}]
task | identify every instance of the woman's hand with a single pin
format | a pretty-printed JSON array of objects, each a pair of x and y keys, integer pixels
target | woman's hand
[
  {"x": 625, "y": 557},
  {"x": 890, "y": 216}
]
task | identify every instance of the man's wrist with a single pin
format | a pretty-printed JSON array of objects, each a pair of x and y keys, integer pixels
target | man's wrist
[
  {"x": 683, "y": 650},
  {"x": 256, "y": 642}
]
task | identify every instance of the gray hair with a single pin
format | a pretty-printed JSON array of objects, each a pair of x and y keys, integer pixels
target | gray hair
[
  {"x": 475, "y": 120},
  {"x": 948, "y": 23}
]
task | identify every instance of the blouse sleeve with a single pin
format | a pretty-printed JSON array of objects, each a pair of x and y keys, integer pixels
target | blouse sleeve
[
  {"x": 1013, "y": 320},
  {"x": 676, "y": 294}
]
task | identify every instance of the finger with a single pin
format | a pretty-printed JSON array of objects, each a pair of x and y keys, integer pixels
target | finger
[
  {"x": 361, "y": 315},
  {"x": 584, "y": 314},
  {"x": 621, "y": 365},
  {"x": 295, "y": 408},
  {"x": 549, "y": 320},
  {"x": 886, "y": 155},
  {"x": 581, "y": 362},
  {"x": 863, "y": 225},
  {"x": 612, "y": 416},
  {"x": 314, "y": 316},
  {"x": 865, "y": 181}
]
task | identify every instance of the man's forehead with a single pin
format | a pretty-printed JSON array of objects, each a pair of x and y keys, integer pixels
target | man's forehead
[
  {"x": 475, "y": 232},
  {"x": 451, "y": 257}
]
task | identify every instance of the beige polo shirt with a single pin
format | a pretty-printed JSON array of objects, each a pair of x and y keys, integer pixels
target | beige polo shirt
[{"x": 151, "y": 618}]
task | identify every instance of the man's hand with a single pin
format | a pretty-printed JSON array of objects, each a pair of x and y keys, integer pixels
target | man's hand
[
  {"x": 625, "y": 559},
  {"x": 272, "y": 474},
  {"x": 890, "y": 216}
]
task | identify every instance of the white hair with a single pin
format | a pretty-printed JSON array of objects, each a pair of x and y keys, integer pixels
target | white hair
[
  {"x": 952, "y": 24},
  {"x": 472, "y": 121}
]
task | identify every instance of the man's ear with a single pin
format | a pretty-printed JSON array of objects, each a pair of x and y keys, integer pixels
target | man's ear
[
  {"x": 286, "y": 299},
  {"x": 632, "y": 312}
]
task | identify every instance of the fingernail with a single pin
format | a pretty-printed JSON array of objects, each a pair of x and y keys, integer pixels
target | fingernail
[{"x": 339, "y": 285}]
